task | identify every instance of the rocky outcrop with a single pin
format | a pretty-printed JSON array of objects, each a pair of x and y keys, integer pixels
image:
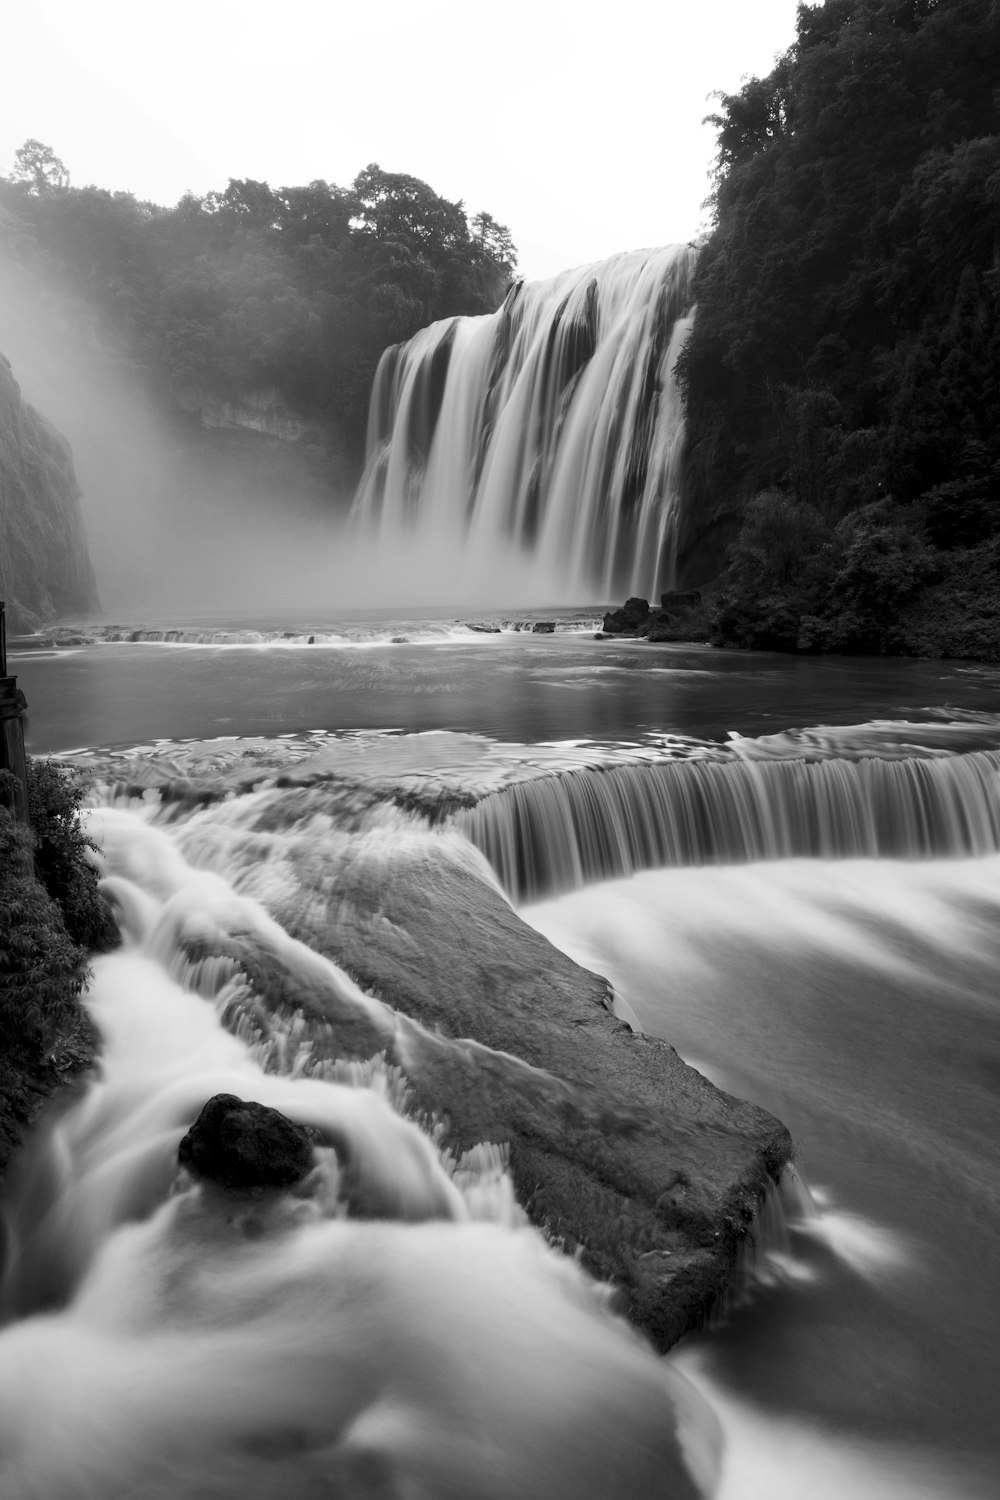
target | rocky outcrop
[
  {"x": 629, "y": 619},
  {"x": 45, "y": 569},
  {"x": 263, "y": 410},
  {"x": 617, "y": 1148},
  {"x": 680, "y": 617}
]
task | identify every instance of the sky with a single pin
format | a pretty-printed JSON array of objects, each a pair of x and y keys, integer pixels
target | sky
[{"x": 578, "y": 125}]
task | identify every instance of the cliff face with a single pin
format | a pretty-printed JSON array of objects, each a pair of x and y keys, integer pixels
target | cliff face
[
  {"x": 264, "y": 411},
  {"x": 257, "y": 442},
  {"x": 45, "y": 569}
]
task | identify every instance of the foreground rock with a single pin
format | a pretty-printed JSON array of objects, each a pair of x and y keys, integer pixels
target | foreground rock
[
  {"x": 242, "y": 1145},
  {"x": 617, "y": 1147}
]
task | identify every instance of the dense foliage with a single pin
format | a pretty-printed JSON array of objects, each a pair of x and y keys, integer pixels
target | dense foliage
[
  {"x": 62, "y": 855},
  {"x": 843, "y": 377},
  {"x": 42, "y": 971},
  {"x": 296, "y": 289},
  {"x": 51, "y": 914}
]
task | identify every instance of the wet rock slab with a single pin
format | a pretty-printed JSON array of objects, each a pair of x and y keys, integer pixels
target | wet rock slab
[{"x": 617, "y": 1147}]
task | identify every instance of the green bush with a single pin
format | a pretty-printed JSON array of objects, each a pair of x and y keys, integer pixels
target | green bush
[
  {"x": 62, "y": 860},
  {"x": 42, "y": 970}
]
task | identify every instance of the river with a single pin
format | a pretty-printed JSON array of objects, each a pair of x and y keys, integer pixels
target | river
[{"x": 849, "y": 990}]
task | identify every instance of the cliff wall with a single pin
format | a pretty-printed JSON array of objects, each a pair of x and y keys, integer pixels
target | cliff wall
[{"x": 45, "y": 569}]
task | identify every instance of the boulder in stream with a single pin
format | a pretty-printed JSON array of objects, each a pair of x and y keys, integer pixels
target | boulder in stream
[{"x": 242, "y": 1145}]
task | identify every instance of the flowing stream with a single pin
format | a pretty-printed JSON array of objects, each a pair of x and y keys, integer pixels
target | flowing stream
[{"x": 807, "y": 909}]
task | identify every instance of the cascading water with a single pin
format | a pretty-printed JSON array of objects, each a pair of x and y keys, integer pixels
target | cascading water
[
  {"x": 557, "y": 833},
  {"x": 541, "y": 445},
  {"x": 391, "y": 1326}
]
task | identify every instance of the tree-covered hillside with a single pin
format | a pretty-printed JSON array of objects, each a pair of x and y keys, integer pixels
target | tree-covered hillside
[
  {"x": 293, "y": 290},
  {"x": 843, "y": 376}
]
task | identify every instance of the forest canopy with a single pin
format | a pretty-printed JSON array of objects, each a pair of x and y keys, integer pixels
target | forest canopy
[
  {"x": 843, "y": 377},
  {"x": 298, "y": 289}
]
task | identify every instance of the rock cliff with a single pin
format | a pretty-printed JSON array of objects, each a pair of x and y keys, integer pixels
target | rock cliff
[{"x": 45, "y": 569}]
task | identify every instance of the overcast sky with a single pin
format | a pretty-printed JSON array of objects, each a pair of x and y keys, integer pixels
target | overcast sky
[{"x": 577, "y": 125}]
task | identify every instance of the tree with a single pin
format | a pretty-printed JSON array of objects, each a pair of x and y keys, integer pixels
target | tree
[
  {"x": 39, "y": 167},
  {"x": 299, "y": 288},
  {"x": 845, "y": 358},
  {"x": 494, "y": 240},
  {"x": 393, "y": 205}
]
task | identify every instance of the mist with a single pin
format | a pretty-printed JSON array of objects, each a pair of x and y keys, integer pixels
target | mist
[
  {"x": 172, "y": 523},
  {"x": 180, "y": 523}
]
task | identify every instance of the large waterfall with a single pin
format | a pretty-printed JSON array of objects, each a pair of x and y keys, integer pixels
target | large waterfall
[{"x": 539, "y": 446}]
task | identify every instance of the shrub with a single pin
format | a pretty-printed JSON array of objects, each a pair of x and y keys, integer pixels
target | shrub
[
  {"x": 62, "y": 861},
  {"x": 42, "y": 971}
]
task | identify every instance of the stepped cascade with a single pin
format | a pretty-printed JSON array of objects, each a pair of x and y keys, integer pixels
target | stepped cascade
[
  {"x": 557, "y": 833},
  {"x": 548, "y": 433}
]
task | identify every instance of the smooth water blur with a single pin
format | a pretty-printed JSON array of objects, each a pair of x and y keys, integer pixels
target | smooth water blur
[
  {"x": 390, "y": 1326},
  {"x": 513, "y": 685},
  {"x": 855, "y": 998},
  {"x": 540, "y": 446}
]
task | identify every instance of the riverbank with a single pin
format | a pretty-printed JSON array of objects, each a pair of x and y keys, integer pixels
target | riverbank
[
  {"x": 26, "y": 1090},
  {"x": 952, "y": 612}
]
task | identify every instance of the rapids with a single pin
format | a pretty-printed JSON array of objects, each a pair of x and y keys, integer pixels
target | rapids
[
  {"x": 815, "y": 927},
  {"x": 391, "y": 1327}
]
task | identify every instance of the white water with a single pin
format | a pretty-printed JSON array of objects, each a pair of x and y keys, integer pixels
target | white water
[
  {"x": 392, "y": 1327},
  {"x": 418, "y": 630},
  {"x": 536, "y": 452}
]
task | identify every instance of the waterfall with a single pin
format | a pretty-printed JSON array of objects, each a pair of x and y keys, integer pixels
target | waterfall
[
  {"x": 546, "y": 436},
  {"x": 557, "y": 833}
]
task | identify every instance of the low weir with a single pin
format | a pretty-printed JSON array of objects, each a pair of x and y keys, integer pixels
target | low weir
[{"x": 557, "y": 833}]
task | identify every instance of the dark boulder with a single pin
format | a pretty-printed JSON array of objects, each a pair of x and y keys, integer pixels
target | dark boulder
[
  {"x": 634, "y": 614},
  {"x": 543, "y": 627},
  {"x": 637, "y": 610},
  {"x": 242, "y": 1145}
]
